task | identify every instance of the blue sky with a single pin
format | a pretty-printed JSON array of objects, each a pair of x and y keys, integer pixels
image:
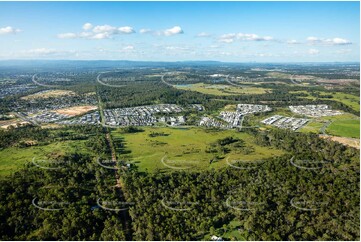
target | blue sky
[{"x": 177, "y": 31}]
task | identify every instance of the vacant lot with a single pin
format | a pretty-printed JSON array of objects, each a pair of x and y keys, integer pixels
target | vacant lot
[
  {"x": 221, "y": 89},
  {"x": 48, "y": 94},
  {"x": 346, "y": 141},
  {"x": 76, "y": 110},
  {"x": 185, "y": 149},
  {"x": 4, "y": 124}
]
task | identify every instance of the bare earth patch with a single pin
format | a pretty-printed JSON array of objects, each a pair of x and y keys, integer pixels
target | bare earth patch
[
  {"x": 355, "y": 143},
  {"x": 48, "y": 94},
  {"x": 12, "y": 122},
  {"x": 77, "y": 110}
]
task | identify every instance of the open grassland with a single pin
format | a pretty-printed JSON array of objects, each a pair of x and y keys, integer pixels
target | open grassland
[
  {"x": 345, "y": 128},
  {"x": 221, "y": 90},
  {"x": 282, "y": 75},
  {"x": 312, "y": 127},
  {"x": 49, "y": 94},
  {"x": 185, "y": 149},
  {"x": 347, "y": 99},
  {"x": 14, "y": 158}
]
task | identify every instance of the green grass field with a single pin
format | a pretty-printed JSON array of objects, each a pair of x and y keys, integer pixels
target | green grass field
[
  {"x": 184, "y": 149},
  {"x": 345, "y": 128},
  {"x": 312, "y": 126},
  {"x": 348, "y": 99},
  {"x": 220, "y": 90},
  {"x": 345, "y": 125},
  {"x": 14, "y": 158}
]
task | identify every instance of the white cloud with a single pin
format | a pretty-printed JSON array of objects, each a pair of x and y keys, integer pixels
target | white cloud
[
  {"x": 129, "y": 47},
  {"x": 343, "y": 51},
  {"x": 340, "y": 41},
  {"x": 293, "y": 42},
  {"x": 167, "y": 32},
  {"x": 9, "y": 30},
  {"x": 145, "y": 31},
  {"x": 98, "y": 32},
  {"x": 126, "y": 30},
  {"x": 176, "y": 48},
  {"x": 313, "y": 52},
  {"x": 104, "y": 28},
  {"x": 87, "y": 26},
  {"x": 85, "y": 35},
  {"x": 229, "y": 38},
  {"x": 67, "y": 36},
  {"x": 263, "y": 55},
  {"x": 48, "y": 53},
  {"x": 203, "y": 34},
  {"x": 42, "y": 51},
  {"x": 173, "y": 31},
  {"x": 104, "y": 35},
  {"x": 312, "y": 39},
  {"x": 332, "y": 41}
]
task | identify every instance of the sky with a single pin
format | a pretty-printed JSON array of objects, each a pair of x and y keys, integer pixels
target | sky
[{"x": 181, "y": 31}]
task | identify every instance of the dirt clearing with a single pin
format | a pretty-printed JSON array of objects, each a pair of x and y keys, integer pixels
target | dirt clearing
[
  {"x": 77, "y": 110},
  {"x": 355, "y": 143},
  {"x": 48, "y": 94}
]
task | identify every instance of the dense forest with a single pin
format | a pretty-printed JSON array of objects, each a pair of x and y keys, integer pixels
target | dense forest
[{"x": 271, "y": 200}]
